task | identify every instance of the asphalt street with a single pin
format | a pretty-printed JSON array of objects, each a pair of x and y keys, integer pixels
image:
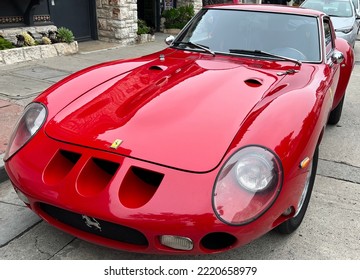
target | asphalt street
[{"x": 330, "y": 230}]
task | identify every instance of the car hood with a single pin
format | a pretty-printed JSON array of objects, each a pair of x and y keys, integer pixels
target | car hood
[{"x": 178, "y": 111}]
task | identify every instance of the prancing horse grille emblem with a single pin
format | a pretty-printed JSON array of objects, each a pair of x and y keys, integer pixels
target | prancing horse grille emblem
[{"x": 91, "y": 222}]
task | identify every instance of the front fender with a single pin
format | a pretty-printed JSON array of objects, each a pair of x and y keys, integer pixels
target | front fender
[{"x": 291, "y": 125}]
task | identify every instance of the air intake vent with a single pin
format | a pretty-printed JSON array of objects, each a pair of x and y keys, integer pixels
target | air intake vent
[
  {"x": 139, "y": 186},
  {"x": 59, "y": 166},
  {"x": 108, "y": 166},
  {"x": 72, "y": 157},
  {"x": 96, "y": 176}
]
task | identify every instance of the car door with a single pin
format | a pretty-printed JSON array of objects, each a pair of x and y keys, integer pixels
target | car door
[{"x": 332, "y": 70}]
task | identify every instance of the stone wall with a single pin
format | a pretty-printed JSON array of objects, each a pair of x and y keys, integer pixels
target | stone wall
[
  {"x": 15, "y": 55},
  {"x": 117, "y": 21}
]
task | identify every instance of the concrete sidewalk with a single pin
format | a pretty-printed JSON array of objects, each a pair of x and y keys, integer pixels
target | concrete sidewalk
[{"x": 21, "y": 82}]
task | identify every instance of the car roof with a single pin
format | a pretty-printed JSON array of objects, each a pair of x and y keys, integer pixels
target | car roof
[{"x": 268, "y": 8}]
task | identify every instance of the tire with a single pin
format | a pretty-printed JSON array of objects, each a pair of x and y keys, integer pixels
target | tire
[
  {"x": 335, "y": 114},
  {"x": 293, "y": 223}
]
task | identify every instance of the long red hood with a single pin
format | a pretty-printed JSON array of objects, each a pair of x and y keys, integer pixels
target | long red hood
[{"x": 181, "y": 112}]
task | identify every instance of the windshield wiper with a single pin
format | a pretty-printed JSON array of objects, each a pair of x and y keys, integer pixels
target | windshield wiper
[
  {"x": 191, "y": 44},
  {"x": 258, "y": 52}
]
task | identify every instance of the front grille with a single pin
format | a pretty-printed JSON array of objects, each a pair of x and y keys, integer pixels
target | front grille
[{"x": 96, "y": 226}]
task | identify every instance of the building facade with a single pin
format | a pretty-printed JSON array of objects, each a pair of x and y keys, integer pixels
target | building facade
[{"x": 107, "y": 20}]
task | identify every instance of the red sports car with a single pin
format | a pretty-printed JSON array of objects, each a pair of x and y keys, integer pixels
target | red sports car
[{"x": 199, "y": 148}]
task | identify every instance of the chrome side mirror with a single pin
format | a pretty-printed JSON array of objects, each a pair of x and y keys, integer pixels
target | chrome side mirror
[
  {"x": 169, "y": 40},
  {"x": 337, "y": 57}
]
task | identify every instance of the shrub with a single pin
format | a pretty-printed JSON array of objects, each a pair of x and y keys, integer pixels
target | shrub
[
  {"x": 65, "y": 35},
  {"x": 5, "y": 44},
  {"x": 178, "y": 17},
  {"x": 143, "y": 28}
]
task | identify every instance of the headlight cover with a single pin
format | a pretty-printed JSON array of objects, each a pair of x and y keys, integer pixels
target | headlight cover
[
  {"x": 29, "y": 123},
  {"x": 247, "y": 185}
]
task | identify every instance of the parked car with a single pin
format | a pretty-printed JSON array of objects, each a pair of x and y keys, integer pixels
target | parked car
[
  {"x": 199, "y": 148},
  {"x": 343, "y": 15},
  {"x": 356, "y": 4}
]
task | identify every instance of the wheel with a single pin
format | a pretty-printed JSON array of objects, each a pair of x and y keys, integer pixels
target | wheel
[
  {"x": 292, "y": 224},
  {"x": 335, "y": 114},
  {"x": 289, "y": 52}
]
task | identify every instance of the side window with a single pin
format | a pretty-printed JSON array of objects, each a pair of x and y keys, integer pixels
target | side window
[{"x": 328, "y": 37}]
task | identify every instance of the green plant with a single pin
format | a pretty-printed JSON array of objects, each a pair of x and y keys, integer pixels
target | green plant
[
  {"x": 65, "y": 35},
  {"x": 5, "y": 44},
  {"x": 143, "y": 28},
  {"x": 178, "y": 17}
]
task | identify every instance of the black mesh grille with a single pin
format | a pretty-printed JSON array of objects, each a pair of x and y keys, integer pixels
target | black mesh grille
[{"x": 98, "y": 227}]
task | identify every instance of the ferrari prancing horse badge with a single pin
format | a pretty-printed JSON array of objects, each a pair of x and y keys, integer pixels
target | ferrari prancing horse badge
[{"x": 116, "y": 144}]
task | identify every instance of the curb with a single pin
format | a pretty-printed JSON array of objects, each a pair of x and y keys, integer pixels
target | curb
[
  {"x": 3, "y": 175},
  {"x": 16, "y": 55}
]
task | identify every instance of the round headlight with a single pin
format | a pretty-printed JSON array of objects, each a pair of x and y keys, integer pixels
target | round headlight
[
  {"x": 255, "y": 172},
  {"x": 247, "y": 185},
  {"x": 29, "y": 123}
]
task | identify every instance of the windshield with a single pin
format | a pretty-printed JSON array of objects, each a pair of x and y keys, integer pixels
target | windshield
[
  {"x": 235, "y": 31},
  {"x": 333, "y": 8}
]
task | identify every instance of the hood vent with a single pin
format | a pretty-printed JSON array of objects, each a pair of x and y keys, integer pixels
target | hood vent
[
  {"x": 253, "y": 82},
  {"x": 158, "y": 67}
]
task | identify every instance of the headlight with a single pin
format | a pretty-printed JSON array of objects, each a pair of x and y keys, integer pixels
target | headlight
[
  {"x": 29, "y": 123},
  {"x": 247, "y": 185},
  {"x": 345, "y": 29}
]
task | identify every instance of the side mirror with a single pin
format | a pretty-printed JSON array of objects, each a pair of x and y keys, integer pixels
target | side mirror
[
  {"x": 169, "y": 40},
  {"x": 337, "y": 57}
]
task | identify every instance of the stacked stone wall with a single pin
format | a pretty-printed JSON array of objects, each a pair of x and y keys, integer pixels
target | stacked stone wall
[
  {"x": 16, "y": 55},
  {"x": 117, "y": 21}
]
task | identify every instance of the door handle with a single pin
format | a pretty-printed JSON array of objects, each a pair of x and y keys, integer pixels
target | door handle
[{"x": 52, "y": 2}]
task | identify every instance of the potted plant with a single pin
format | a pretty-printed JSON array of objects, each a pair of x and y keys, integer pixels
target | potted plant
[
  {"x": 177, "y": 18},
  {"x": 145, "y": 33}
]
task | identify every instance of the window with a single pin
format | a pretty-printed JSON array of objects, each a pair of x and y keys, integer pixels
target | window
[{"x": 328, "y": 37}]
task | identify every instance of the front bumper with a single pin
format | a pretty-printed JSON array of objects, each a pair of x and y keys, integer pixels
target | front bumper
[{"x": 123, "y": 203}]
